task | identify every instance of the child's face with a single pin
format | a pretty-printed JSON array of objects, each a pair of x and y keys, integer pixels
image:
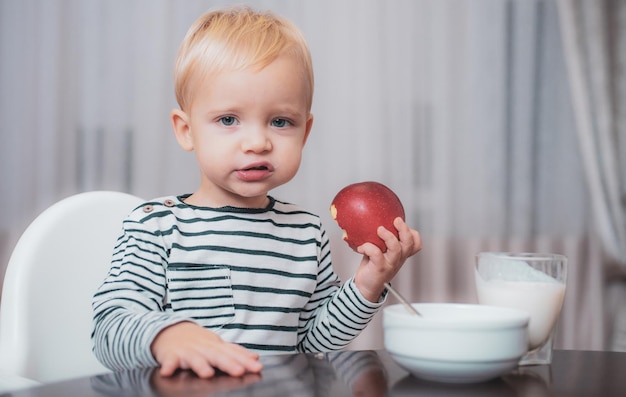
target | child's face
[{"x": 248, "y": 129}]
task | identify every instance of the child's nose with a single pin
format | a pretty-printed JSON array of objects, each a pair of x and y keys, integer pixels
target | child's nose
[{"x": 256, "y": 140}]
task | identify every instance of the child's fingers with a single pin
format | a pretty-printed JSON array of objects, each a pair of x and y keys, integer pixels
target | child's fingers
[
  {"x": 404, "y": 231},
  {"x": 249, "y": 360},
  {"x": 201, "y": 367},
  {"x": 203, "y": 361},
  {"x": 417, "y": 241},
  {"x": 410, "y": 239},
  {"x": 370, "y": 251},
  {"x": 390, "y": 239},
  {"x": 169, "y": 365},
  {"x": 234, "y": 360}
]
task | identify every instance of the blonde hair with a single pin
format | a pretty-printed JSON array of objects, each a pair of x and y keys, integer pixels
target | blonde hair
[{"x": 236, "y": 39}]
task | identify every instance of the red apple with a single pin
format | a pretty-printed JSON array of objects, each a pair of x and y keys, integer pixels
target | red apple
[{"x": 359, "y": 209}]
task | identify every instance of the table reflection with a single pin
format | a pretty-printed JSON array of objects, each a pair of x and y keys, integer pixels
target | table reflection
[
  {"x": 411, "y": 386},
  {"x": 532, "y": 381},
  {"x": 356, "y": 373},
  {"x": 360, "y": 372}
]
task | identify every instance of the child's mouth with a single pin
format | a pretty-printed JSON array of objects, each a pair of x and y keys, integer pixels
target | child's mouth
[{"x": 255, "y": 172}]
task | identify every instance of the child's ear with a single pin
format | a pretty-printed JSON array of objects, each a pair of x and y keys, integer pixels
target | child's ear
[
  {"x": 309, "y": 124},
  {"x": 182, "y": 129}
]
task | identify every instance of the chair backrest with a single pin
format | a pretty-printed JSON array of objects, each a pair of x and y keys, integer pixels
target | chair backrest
[{"x": 54, "y": 270}]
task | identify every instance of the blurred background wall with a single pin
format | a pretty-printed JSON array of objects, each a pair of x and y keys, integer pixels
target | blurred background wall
[{"x": 497, "y": 122}]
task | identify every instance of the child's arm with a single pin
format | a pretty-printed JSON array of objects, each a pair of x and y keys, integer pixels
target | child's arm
[
  {"x": 187, "y": 345},
  {"x": 336, "y": 313},
  {"x": 376, "y": 267},
  {"x": 127, "y": 319},
  {"x": 131, "y": 326}
]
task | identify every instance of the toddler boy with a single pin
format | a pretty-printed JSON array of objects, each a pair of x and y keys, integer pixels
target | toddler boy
[{"x": 208, "y": 281}]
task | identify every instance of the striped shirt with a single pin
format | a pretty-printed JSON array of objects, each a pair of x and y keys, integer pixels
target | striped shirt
[{"x": 261, "y": 278}]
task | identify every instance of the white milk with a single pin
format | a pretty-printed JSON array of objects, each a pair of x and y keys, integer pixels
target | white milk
[{"x": 543, "y": 300}]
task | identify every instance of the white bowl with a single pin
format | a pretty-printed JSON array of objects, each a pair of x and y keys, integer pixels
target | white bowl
[{"x": 456, "y": 343}]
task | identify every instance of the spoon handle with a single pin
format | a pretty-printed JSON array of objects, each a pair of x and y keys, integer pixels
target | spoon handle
[{"x": 399, "y": 297}]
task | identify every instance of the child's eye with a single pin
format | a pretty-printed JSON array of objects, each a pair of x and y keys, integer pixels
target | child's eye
[
  {"x": 228, "y": 120},
  {"x": 280, "y": 123}
]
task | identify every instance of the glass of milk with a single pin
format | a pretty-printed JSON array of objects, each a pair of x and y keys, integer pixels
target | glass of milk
[{"x": 529, "y": 281}]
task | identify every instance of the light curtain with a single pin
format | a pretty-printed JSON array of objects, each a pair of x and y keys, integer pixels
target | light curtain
[
  {"x": 594, "y": 34},
  {"x": 460, "y": 106}
]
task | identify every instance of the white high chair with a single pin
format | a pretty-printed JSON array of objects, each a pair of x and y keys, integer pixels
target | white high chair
[{"x": 54, "y": 270}]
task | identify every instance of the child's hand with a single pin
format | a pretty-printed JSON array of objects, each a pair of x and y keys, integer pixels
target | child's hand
[
  {"x": 376, "y": 267},
  {"x": 187, "y": 345}
]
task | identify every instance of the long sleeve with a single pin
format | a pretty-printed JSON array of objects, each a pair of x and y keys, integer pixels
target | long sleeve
[
  {"x": 128, "y": 307},
  {"x": 334, "y": 316}
]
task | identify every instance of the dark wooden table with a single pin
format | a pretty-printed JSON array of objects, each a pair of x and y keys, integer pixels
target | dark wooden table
[{"x": 357, "y": 373}]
